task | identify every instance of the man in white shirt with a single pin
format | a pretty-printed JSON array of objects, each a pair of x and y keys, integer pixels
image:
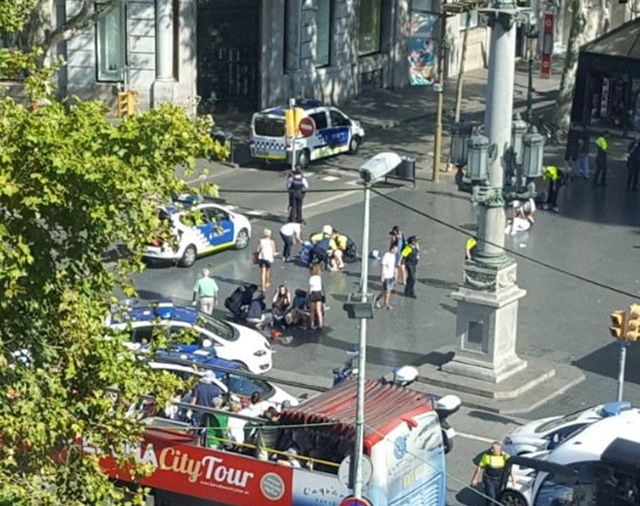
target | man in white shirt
[
  {"x": 387, "y": 276},
  {"x": 291, "y": 234}
]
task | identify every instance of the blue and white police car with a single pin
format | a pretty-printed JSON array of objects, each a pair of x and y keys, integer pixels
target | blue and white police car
[
  {"x": 228, "y": 382},
  {"x": 333, "y": 133},
  {"x": 201, "y": 227},
  {"x": 229, "y": 341}
]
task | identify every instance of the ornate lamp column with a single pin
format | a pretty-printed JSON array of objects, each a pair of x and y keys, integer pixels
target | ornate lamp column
[{"x": 487, "y": 311}]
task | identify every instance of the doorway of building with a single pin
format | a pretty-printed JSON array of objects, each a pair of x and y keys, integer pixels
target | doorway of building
[{"x": 228, "y": 54}]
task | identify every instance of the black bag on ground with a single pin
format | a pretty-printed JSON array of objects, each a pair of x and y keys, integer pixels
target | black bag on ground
[{"x": 351, "y": 253}]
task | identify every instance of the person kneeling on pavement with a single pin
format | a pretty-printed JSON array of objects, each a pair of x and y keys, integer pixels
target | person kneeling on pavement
[{"x": 556, "y": 179}]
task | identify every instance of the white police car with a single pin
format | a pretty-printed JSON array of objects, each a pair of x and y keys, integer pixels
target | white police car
[
  {"x": 334, "y": 133},
  {"x": 547, "y": 433},
  {"x": 216, "y": 228},
  {"x": 227, "y": 382},
  {"x": 229, "y": 341}
]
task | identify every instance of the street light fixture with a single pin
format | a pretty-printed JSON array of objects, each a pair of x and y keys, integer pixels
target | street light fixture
[
  {"x": 460, "y": 133},
  {"x": 478, "y": 146},
  {"x": 518, "y": 129},
  {"x": 533, "y": 154},
  {"x": 371, "y": 172}
]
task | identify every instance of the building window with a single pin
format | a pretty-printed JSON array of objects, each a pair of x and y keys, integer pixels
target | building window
[
  {"x": 473, "y": 20},
  {"x": 370, "y": 26},
  {"x": 422, "y": 5},
  {"x": 110, "y": 42},
  {"x": 324, "y": 24}
]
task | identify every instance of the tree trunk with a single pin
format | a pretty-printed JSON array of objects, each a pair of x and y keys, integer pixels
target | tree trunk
[{"x": 585, "y": 26}]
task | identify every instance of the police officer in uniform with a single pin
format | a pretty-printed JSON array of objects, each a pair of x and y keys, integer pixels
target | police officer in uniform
[
  {"x": 297, "y": 185},
  {"x": 490, "y": 470},
  {"x": 410, "y": 257},
  {"x": 602, "y": 149},
  {"x": 555, "y": 177}
]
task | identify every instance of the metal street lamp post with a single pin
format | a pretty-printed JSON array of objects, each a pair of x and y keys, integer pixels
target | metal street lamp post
[
  {"x": 372, "y": 171},
  {"x": 532, "y": 35}
]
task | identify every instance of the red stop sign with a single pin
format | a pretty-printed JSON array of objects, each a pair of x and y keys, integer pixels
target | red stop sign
[{"x": 307, "y": 127}]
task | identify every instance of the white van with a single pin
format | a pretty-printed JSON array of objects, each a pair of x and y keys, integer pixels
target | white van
[{"x": 335, "y": 133}]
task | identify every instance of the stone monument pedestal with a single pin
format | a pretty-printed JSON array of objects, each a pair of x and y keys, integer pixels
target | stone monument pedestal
[
  {"x": 486, "y": 326},
  {"x": 485, "y": 370}
]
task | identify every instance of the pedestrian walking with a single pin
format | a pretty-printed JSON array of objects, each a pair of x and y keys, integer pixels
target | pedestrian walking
[
  {"x": 633, "y": 165},
  {"x": 583, "y": 158},
  {"x": 602, "y": 147},
  {"x": 205, "y": 292},
  {"x": 297, "y": 185},
  {"x": 291, "y": 234},
  {"x": 266, "y": 252},
  {"x": 490, "y": 470},
  {"x": 387, "y": 277},
  {"x": 555, "y": 177},
  {"x": 410, "y": 258},
  {"x": 572, "y": 152},
  {"x": 316, "y": 297},
  {"x": 397, "y": 239}
]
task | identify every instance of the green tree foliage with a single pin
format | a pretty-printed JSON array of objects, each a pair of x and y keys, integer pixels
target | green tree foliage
[{"x": 72, "y": 185}]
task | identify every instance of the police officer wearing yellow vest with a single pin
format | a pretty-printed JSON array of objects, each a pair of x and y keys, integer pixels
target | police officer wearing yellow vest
[
  {"x": 410, "y": 256},
  {"x": 490, "y": 469},
  {"x": 555, "y": 178},
  {"x": 602, "y": 147}
]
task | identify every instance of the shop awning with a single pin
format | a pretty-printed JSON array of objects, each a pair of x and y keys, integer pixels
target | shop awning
[{"x": 623, "y": 42}]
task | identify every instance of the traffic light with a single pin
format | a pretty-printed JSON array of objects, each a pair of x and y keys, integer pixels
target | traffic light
[
  {"x": 292, "y": 117},
  {"x": 618, "y": 324},
  {"x": 633, "y": 327},
  {"x": 127, "y": 101},
  {"x": 123, "y": 104}
]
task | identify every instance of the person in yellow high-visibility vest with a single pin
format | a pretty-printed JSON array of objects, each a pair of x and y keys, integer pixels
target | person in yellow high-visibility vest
[
  {"x": 489, "y": 470},
  {"x": 555, "y": 177},
  {"x": 602, "y": 147}
]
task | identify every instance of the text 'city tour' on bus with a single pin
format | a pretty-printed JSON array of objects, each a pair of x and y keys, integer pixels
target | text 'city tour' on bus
[{"x": 403, "y": 440}]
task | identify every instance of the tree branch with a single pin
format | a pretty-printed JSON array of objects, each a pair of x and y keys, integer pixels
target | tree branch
[{"x": 85, "y": 18}]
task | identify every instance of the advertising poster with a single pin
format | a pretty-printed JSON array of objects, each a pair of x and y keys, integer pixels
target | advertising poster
[{"x": 422, "y": 49}]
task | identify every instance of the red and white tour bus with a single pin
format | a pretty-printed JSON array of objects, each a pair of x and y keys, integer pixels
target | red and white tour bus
[{"x": 402, "y": 439}]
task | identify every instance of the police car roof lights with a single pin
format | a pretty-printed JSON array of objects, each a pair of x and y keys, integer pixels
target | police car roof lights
[
  {"x": 165, "y": 310},
  {"x": 615, "y": 408}
]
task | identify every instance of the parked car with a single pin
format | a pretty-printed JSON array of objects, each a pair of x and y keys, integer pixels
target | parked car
[
  {"x": 547, "y": 433},
  {"x": 201, "y": 227},
  {"x": 332, "y": 132},
  {"x": 227, "y": 382},
  {"x": 229, "y": 341}
]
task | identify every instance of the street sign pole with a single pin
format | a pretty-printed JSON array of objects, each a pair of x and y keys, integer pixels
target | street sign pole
[
  {"x": 623, "y": 363},
  {"x": 292, "y": 106}
]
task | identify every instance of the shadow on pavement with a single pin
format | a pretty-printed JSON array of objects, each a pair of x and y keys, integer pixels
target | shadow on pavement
[
  {"x": 439, "y": 283},
  {"x": 468, "y": 497},
  {"x": 605, "y": 362},
  {"x": 491, "y": 417}
]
